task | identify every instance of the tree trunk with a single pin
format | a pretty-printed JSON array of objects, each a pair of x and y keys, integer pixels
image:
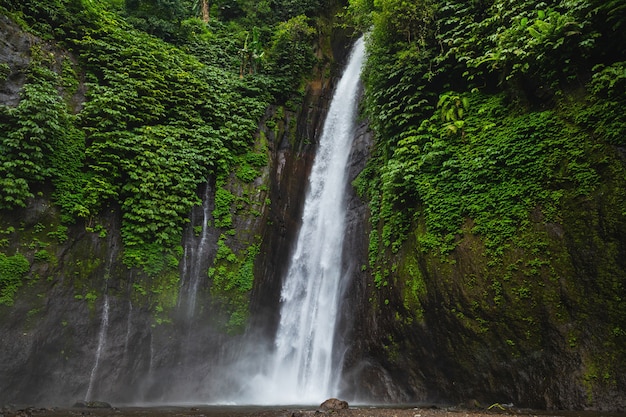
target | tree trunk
[{"x": 205, "y": 11}]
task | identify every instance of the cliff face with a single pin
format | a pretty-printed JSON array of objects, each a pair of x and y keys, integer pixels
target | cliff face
[
  {"x": 80, "y": 324},
  {"x": 497, "y": 204},
  {"x": 540, "y": 327}
]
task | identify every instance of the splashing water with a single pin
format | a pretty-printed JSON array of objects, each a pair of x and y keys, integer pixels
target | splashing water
[{"x": 302, "y": 368}]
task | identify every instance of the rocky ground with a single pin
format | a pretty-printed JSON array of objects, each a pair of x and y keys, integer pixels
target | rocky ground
[{"x": 281, "y": 412}]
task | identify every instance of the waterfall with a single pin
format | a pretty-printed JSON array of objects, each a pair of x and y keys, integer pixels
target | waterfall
[
  {"x": 195, "y": 257},
  {"x": 104, "y": 325},
  {"x": 302, "y": 368}
]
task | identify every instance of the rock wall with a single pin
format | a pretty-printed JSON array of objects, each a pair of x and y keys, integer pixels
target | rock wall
[
  {"x": 540, "y": 327},
  {"x": 86, "y": 327}
]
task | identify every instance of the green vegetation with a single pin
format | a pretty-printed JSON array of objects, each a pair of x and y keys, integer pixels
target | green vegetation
[
  {"x": 132, "y": 106},
  {"x": 483, "y": 150},
  {"x": 39, "y": 139},
  {"x": 499, "y": 127},
  {"x": 12, "y": 271},
  {"x": 233, "y": 276},
  {"x": 158, "y": 132}
]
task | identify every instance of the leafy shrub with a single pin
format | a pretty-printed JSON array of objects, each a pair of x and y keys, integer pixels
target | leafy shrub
[
  {"x": 232, "y": 278},
  {"x": 5, "y": 71},
  {"x": 38, "y": 140},
  {"x": 291, "y": 54},
  {"x": 444, "y": 154},
  {"x": 12, "y": 270},
  {"x": 158, "y": 123}
]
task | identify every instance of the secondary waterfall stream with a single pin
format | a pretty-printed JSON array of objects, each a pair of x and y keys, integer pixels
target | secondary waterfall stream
[
  {"x": 195, "y": 258},
  {"x": 303, "y": 368},
  {"x": 102, "y": 333}
]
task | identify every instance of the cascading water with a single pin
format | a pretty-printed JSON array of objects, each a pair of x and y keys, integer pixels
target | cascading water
[
  {"x": 104, "y": 325},
  {"x": 195, "y": 259},
  {"x": 302, "y": 369},
  {"x": 102, "y": 334}
]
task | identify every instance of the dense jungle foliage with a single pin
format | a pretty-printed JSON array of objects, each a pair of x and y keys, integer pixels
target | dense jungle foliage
[
  {"x": 136, "y": 105},
  {"x": 474, "y": 106},
  {"x": 501, "y": 144}
]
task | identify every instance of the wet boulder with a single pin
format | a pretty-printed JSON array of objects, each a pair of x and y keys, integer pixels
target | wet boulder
[{"x": 333, "y": 404}]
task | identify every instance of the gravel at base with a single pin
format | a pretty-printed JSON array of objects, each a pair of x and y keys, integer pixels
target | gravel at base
[
  {"x": 393, "y": 412},
  {"x": 269, "y": 412}
]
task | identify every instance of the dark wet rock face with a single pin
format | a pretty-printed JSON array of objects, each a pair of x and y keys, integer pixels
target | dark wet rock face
[
  {"x": 15, "y": 55},
  {"x": 457, "y": 342}
]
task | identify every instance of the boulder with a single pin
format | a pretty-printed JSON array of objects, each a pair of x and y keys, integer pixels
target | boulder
[{"x": 333, "y": 404}]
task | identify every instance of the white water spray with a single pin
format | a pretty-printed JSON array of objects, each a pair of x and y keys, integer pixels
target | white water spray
[
  {"x": 302, "y": 369},
  {"x": 104, "y": 325}
]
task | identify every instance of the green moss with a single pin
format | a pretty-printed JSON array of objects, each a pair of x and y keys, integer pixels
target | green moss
[
  {"x": 13, "y": 269},
  {"x": 90, "y": 297},
  {"x": 164, "y": 295},
  {"x": 232, "y": 277},
  {"x": 392, "y": 349},
  {"x": 60, "y": 234},
  {"x": 222, "y": 215},
  {"x": 414, "y": 287}
]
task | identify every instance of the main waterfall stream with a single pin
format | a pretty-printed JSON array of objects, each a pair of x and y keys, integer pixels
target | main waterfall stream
[{"x": 303, "y": 368}]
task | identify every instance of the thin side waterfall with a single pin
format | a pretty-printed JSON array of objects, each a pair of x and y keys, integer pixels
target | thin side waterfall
[
  {"x": 104, "y": 325},
  {"x": 195, "y": 257},
  {"x": 129, "y": 327},
  {"x": 102, "y": 334},
  {"x": 302, "y": 368}
]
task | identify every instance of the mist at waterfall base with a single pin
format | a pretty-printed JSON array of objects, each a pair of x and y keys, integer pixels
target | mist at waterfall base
[{"x": 304, "y": 365}]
